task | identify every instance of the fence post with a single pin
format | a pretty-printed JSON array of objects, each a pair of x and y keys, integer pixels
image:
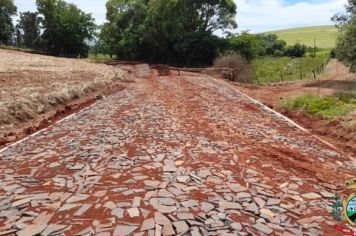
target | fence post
[
  {"x": 314, "y": 74},
  {"x": 258, "y": 81},
  {"x": 282, "y": 76},
  {"x": 300, "y": 72}
]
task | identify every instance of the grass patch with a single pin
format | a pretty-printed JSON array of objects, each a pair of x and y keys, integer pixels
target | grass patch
[
  {"x": 103, "y": 57},
  {"x": 278, "y": 69},
  {"x": 329, "y": 107},
  {"x": 325, "y": 36}
]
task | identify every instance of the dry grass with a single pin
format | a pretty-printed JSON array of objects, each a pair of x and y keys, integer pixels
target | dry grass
[
  {"x": 31, "y": 85},
  {"x": 240, "y": 68}
]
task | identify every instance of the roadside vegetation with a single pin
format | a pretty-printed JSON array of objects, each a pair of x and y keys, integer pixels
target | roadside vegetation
[
  {"x": 346, "y": 42},
  {"x": 341, "y": 104},
  {"x": 328, "y": 107},
  {"x": 272, "y": 60},
  {"x": 269, "y": 70},
  {"x": 238, "y": 68}
]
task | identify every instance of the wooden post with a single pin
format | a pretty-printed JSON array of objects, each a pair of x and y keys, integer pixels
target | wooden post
[
  {"x": 300, "y": 72},
  {"x": 258, "y": 81},
  {"x": 314, "y": 74},
  {"x": 282, "y": 76},
  {"x": 314, "y": 48}
]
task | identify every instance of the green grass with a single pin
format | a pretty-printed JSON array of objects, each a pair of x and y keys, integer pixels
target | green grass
[
  {"x": 325, "y": 36},
  {"x": 28, "y": 50},
  {"x": 329, "y": 107},
  {"x": 271, "y": 69},
  {"x": 100, "y": 56}
]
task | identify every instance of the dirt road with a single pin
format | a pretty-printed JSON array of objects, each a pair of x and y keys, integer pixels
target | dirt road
[
  {"x": 337, "y": 79},
  {"x": 172, "y": 156}
]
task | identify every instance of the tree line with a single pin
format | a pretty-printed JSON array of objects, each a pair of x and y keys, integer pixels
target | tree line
[
  {"x": 57, "y": 28},
  {"x": 252, "y": 46},
  {"x": 176, "y": 32}
]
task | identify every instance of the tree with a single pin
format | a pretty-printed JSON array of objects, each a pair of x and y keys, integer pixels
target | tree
[
  {"x": 297, "y": 50},
  {"x": 7, "y": 10},
  {"x": 66, "y": 28},
  {"x": 342, "y": 20},
  {"x": 272, "y": 45},
  {"x": 346, "y": 45},
  {"x": 346, "y": 42},
  {"x": 158, "y": 30},
  {"x": 197, "y": 49},
  {"x": 29, "y": 26},
  {"x": 169, "y": 22},
  {"x": 106, "y": 42},
  {"x": 247, "y": 45},
  {"x": 251, "y": 46},
  {"x": 124, "y": 33}
]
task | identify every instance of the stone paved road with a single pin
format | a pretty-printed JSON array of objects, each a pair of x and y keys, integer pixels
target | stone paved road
[{"x": 171, "y": 156}]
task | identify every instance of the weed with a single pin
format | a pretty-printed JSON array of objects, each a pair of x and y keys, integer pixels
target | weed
[{"x": 329, "y": 107}]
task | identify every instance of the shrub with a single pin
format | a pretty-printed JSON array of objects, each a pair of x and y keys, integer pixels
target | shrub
[
  {"x": 333, "y": 53},
  {"x": 240, "y": 68},
  {"x": 297, "y": 50}
]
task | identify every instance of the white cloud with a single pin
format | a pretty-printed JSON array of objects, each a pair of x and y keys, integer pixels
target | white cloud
[{"x": 265, "y": 15}]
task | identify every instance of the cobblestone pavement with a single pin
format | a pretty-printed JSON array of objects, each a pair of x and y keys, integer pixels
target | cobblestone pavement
[{"x": 171, "y": 156}]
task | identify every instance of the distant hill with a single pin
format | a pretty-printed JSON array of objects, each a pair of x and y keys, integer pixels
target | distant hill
[{"x": 325, "y": 36}]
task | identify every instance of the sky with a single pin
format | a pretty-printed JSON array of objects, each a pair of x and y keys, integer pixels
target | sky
[{"x": 254, "y": 15}]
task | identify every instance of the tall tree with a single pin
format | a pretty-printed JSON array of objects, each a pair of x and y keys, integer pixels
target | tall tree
[
  {"x": 126, "y": 26},
  {"x": 165, "y": 31},
  {"x": 346, "y": 43},
  {"x": 106, "y": 42},
  {"x": 7, "y": 10},
  {"x": 66, "y": 28},
  {"x": 171, "y": 23},
  {"x": 29, "y": 26},
  {"x": 247, "y": 45}
]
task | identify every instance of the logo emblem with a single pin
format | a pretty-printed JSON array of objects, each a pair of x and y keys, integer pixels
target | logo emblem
[
  {"x": 349, "y": 208},
  {"x": 344, "y": 211}
]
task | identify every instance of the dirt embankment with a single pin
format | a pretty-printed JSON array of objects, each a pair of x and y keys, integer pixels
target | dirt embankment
[
  {"x": 337, "y": 79},
  {"x": 37, "y": 90}
]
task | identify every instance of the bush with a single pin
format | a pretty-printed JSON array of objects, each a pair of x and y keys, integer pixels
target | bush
[
  {"x": 297, "y": 50},
  {"x": 333, "y": 53},
  {"x": 240, "y": 69}
]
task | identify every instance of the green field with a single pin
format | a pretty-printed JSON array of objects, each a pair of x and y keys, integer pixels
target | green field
[
  {"x": 325, "y": 36},
  {"x": 280, "y": 69}
]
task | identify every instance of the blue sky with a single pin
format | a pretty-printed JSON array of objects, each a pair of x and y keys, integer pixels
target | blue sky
[{"x": 253, "y": 15}]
